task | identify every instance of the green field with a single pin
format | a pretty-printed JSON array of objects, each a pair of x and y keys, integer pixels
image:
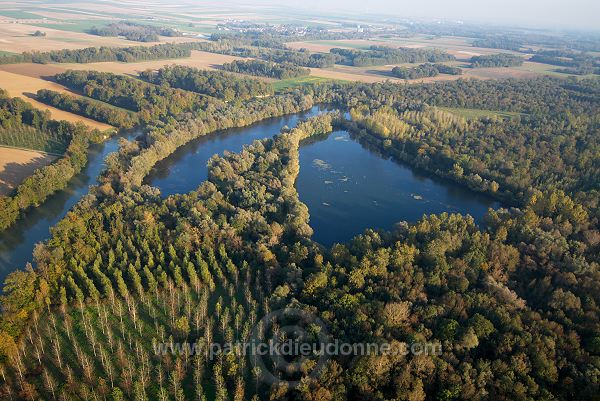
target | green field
[
  {"x": 81, "y": 26},
  {"x": 18, "y": 14},
  {"x": 548, "y": 69},
  {"x": 184, "y": 26},
  {"x": 293, "y": 82},
  {"x": 479, "y": 113}
]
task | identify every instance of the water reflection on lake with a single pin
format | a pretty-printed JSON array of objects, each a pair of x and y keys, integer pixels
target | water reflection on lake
[{"x": 349, "y": 188}]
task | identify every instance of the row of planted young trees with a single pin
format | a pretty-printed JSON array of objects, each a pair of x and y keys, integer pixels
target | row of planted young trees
[
  {"x": 24, "y": 126},
  {"x": 101, "y": 316},
  {"x": 443, "y": 279}
]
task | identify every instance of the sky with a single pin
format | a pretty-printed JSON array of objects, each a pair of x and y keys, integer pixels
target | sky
[{"x": 576, "y": 14}]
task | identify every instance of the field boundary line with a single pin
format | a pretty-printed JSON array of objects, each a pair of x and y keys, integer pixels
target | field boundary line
[{"x": 32, "y": 150}]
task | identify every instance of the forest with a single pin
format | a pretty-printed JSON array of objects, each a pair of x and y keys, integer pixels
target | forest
[
  {"x": 24, "y": 126},
  {"x": 496, "y": 60},
  {"x": 381, "y": 55},
  {"x": 99, "y": 54},
  {"x": 499, "y": 42},
  {"x": 300, "y": 58},
  {"x": 425, "y": 70},
  {"x": 274, "y": 52},
  {"x": 150, "y": 102},
  {"x": 266, "y": 69},
  {"x": 513, "y": 301},
  {"x": 134, "y": 31},
  {"x": 217, "y": 84},
  {"x": 576, "y": 62},
  {"x": 88, "y": 108}
]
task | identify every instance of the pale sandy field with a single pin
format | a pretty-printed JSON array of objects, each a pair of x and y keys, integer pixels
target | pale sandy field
[
  {"x": 24, "y": 80},
  {"x": 383, "y": 73},
  {"x": 24, "y": 86},
  {"x": 347, "y": 73},
  {"x": 202, "y": 60},
  {"x": 458, "y": 47},
  {"x": 16, "y": 38},
  {"x": 18, "y": 164}
]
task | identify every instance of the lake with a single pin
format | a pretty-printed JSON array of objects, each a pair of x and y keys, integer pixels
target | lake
[
  {"x": 346, "y": 187},
  {"x": 349, "y": 188},
  {"x": 185, "y": 169}
]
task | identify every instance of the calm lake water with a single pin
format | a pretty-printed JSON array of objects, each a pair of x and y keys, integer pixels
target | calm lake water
[
  {"x": 349, "y": 188},
  {"x": 182, "y": 172},
  {"x": 17, "y": 242},
  {"x": 185, "y": 169}
]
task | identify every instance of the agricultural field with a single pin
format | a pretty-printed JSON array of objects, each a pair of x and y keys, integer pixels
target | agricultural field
[
  {"x": 26, "y": 80},
  {"x": 534, "y": 68},
  {"x": 199, "y": 59},
  {"x": 18, "y": 37},
  {"x": 294, "y": 82},
  {"x": 66, "y": 25},
  {"x": 323, "y": 46},
  {"x": 360, "y": 74},
  {"x": 18, "y": 164},
  {"x": 215, "y": 215},
  {"x": 18, "y": 14},
  {"x": 460, "y": 48}
]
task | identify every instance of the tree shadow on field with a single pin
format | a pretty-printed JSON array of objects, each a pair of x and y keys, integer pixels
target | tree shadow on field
[
  {"x": 30, "y": 95},
  {"x": 49, "y": 78},
  {"x": 382, "y": 73},
  {"x": 12, "y": 174}
]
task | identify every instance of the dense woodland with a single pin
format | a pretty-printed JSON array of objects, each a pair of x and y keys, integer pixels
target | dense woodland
[
  {"x": 151, "y": 102},
  {"x": 24, "y": 126},
  {"x": 513, "y": 302},
  {"x": 99, "y": 54},
  {"x": 381, "y": 55},
  {"x": 86, "y": 107},
  {"x": 425, "y": 70},
  {"x": 134, "y": 31},
  {"x": 499, "y": 42},
  {"x": 576, "y": 62},
  {"x": 274, "y": 52},
  {"x": 265, "y": 69},
  {"x": 217, "y": 84},
  {"x": 301, "y": 58},
  {"x": 496, "y": 60}
]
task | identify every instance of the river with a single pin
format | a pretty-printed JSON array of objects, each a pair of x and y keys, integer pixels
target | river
[
  {"x": 18, "y": 241},
  {"x": 346, "y": 187}
]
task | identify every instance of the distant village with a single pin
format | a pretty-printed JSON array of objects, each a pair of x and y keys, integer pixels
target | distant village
[{"x": 242, "y": 26}]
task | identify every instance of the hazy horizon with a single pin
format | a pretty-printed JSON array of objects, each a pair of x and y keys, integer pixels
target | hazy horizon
[{"x": 560, "y": 14}]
